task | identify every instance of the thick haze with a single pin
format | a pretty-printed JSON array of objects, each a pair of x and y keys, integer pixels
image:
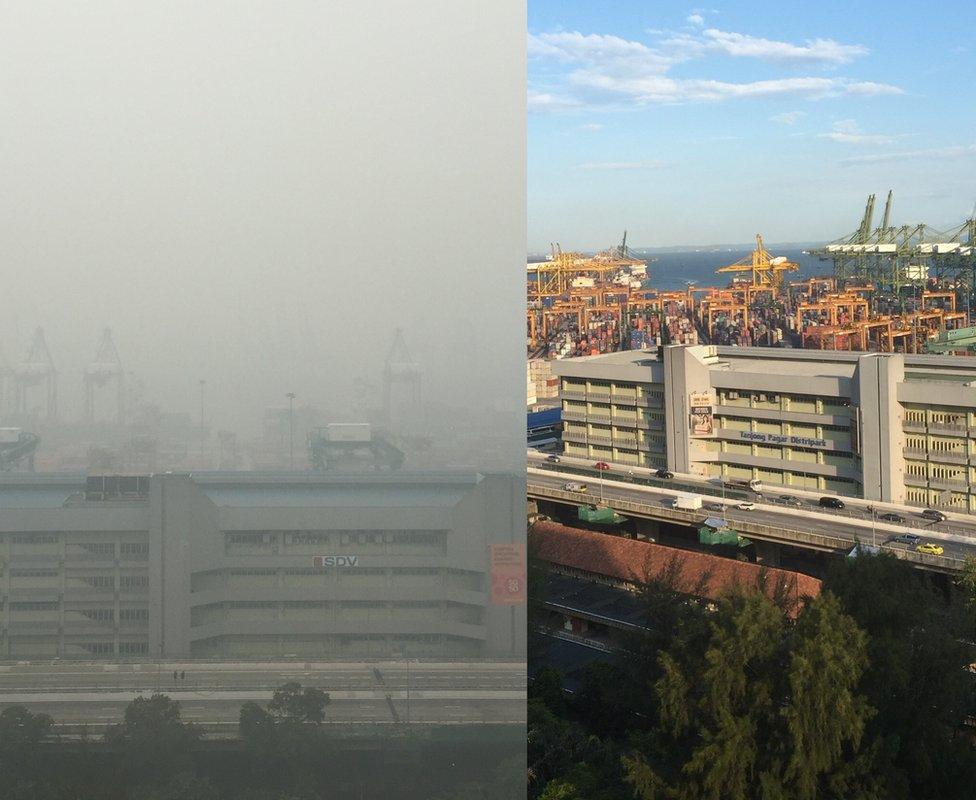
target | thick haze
[{"x": 258, "y": 194}]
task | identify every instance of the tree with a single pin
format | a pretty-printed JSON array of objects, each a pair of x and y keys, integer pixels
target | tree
[
  {"x": 547, "y": 686},
  {"x": 153, "y": 740},
  {"x": 770, "y": 711},
  {"x": 917, "y": 678},
  {"x": 292, "y": 703},
  {"x": 256, "y": 726},
  {"x": 21, "y": 734}
]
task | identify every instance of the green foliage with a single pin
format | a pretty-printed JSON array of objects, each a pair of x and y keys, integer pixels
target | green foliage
[
  {"x": 916, "y": 678},
  {"x": 21, "y": 734},
  {"x": 547, "y": 686},
  {"x": 256, "y": 726},
  {"x": 770, "y": 712},
  {"x": 153, "y": 740},
  {"x": 292, "y": 703}
]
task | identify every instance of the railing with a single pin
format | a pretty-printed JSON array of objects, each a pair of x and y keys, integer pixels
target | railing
[{"x": 778, "y": 534}]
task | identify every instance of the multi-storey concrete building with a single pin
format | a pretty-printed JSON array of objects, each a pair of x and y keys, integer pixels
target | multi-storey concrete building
[
  {"x": 249, "y": 564},
  {"x": 892, "y": 427}
]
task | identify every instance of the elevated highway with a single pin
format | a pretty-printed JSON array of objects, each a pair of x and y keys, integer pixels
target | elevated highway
[
  {"x": 807, "y": 525},
  {"x": 84, "y": 698}
]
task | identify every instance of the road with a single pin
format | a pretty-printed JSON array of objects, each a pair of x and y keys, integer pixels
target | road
[
  {"x": 958, "y": 539},
  {"x": 211, "y": 694}
]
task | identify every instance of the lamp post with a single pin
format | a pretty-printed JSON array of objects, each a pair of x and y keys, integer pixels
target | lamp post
[
  {"x": 291, "y": 429},
  {"x": 203, "y": 385}
]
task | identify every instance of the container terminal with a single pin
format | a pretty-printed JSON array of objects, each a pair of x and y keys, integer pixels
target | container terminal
[{"x": 889, "y": 289}]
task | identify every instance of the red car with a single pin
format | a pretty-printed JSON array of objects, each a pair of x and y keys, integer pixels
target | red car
[{"x": 601, "y": 465}]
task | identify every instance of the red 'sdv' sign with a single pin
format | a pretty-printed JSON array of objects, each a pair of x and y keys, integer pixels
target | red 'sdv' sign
[{"x": 507, "y": 574}]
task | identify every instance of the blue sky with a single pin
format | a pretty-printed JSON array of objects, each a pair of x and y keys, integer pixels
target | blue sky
[{"x": 705, "y": 125}]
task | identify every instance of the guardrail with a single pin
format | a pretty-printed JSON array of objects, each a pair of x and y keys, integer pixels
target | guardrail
[
  {"x": 779, "y": 534},
  {"x": 909, "y": 519}
]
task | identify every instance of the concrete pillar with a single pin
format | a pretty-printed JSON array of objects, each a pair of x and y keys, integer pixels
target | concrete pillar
[
  {"x": 768, "y": 553},
  {"x": 880, "y": 436}
]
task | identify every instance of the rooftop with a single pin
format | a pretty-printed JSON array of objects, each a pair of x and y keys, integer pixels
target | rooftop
[{"x": 636, "y": 562}]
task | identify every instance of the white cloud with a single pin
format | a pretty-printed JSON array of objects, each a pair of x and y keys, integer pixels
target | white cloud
[
  {"x": 592, "y": 127},
  {"x": 937, "y": 153},
  {"x": 848, "y": 131},
  {"x": 546, "y": 102},
  {"x": 620, "y": 165},
  {"x": 870, "y": 88},
  {"x": 606, "y": 70},
  {"x": 695, "y": 19},
  {"x": 820, "y": 51},
  {"x": 788, "y": 117},
  {"x": 661, "y": 89},
  {"x": 575, "y": 47}
]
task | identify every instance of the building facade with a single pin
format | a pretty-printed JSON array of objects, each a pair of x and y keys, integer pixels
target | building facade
[
  {"x": 240, "y": 565},
  {"x": 890, "y": 427}
]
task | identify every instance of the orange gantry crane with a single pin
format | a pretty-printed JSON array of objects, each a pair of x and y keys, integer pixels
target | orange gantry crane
[{"x": 766, "y": 270}]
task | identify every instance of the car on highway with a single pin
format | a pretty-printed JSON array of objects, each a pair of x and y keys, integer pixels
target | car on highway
[
  {"x": 905, "y": 538},
  {"x": 891, "y": 517},
  {"x": 663, "y": 473},
  {"x": 929, "y": 548},
  {"x": 745, "y": 506},
  {"x": 572, "y": 486},
  {"x": 601, "y": 465},
  {"x": 554, "y": 459},
  {"x": 789, "y": 500},
  {"x": 934, "y": 514},
  {"x": 831, "y": 502}
]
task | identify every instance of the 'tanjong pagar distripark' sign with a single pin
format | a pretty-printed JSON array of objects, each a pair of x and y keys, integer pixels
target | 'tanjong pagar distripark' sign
[{"x": 778, "y": 438}]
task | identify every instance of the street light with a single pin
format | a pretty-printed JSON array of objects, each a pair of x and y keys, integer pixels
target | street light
[
  {"x": 291, "y": 429},
  {"x": 602, "y": 466},
  {"x": 203, "y": 385}
]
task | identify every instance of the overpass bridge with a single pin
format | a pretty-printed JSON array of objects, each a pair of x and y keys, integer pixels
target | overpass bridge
[
  {"x": 85, "y": 698},
  {"x": 807, "y": 526}
]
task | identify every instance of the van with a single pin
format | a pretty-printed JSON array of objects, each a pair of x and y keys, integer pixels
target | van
[
  {"x": 572, "y": 486},
  {"x": 831, "y": 502}
]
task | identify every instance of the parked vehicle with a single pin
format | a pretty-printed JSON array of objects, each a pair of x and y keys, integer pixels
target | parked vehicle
[
  {"x": 831, "y": 502},
  {"x": 663, "y": 473},
  {"x": 906, "y": 538},
  {"x": 931, "y": 549},
  {"x": 891, "y": 517},
  {"x": 687, "y": 501},
  {"x": 934, "y": 514},
  {"x": 572, "y": 486}
]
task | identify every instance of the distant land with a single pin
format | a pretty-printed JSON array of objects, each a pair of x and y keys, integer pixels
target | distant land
[{"x": 697, "y": 248}]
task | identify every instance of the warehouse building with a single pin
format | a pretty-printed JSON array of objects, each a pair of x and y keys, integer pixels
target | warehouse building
[
  {"x": 891, "y": 427},
  {"x": 238, "y": 565}
]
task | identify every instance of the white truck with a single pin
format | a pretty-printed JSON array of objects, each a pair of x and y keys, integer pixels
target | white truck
[{"x": 688, "y": 502}]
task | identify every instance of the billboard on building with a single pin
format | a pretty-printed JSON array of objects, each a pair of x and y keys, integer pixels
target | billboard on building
[
  {"x": 702, "y": 422},
  {"x": 507, "y": 574}
]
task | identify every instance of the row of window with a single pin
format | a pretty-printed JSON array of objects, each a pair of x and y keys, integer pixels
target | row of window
[{"x": 96, "y": 581}]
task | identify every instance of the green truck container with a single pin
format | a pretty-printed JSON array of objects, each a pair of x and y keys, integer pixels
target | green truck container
[
  {"x": 715, "y": 531},
  {"x": 600, "y": 516}
]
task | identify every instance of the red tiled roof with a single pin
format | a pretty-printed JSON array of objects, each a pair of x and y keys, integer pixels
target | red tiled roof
[{"x": 635, "y": 562}]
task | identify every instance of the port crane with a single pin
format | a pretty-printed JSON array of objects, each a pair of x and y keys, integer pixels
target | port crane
[
  {"x": 766, "y": 270},
  {"x": 37, "y": 369},
  {"x": 105, "y": 367}
]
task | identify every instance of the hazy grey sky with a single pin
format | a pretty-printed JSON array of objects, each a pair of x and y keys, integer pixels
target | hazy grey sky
[{"x": 258, "y": 193}]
